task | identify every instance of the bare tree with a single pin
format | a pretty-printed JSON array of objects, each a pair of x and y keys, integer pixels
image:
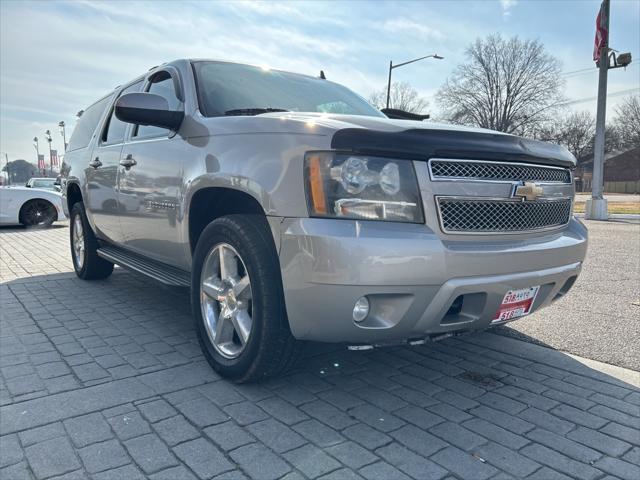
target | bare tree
[
  {"x": 627, "y": 121},
  {"x": 576, "y": 131},
  {"x": 403, "y": 97},
  {"x": 612, "y": 139},
  {"x": 507, "y": 85}
]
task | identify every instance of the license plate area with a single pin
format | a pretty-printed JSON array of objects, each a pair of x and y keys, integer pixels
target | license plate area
[{"x": 516, "y": 304}]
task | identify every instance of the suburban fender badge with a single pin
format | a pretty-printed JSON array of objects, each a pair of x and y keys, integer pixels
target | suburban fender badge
[{"x": 529, "y": 191}]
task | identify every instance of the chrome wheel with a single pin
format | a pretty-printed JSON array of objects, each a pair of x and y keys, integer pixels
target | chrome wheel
[
  {"x": 226, "y": 301},
  {"x": 78, "y": 242}
]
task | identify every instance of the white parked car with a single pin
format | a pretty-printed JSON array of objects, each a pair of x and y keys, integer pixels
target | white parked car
[
  {"x": 30, "y": 207},
  {"x": 45, "y": 183}
]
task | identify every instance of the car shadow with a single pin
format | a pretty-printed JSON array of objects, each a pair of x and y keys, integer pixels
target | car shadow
[
  {"x": 130, "y": 304},
  {"x": 22, "y": 228}
]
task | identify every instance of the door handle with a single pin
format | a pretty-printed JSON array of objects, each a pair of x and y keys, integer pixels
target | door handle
[
  {"x": 128, "y": 161},
  {"x": 95, "y": 163}
]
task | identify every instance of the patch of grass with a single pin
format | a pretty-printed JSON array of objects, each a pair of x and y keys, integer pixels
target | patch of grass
[{"x": 614, "y": 207}]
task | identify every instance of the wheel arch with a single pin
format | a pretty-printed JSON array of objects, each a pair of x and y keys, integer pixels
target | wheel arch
[
  {"x": 73, "y": 195},
  {"x": 209, "y": 203}
]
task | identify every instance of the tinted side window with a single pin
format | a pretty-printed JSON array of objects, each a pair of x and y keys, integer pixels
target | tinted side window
[
  {"x": 162, "y": 84},
  {"x": 87, "y": 124},
  {"x": 115, "y": 129}
]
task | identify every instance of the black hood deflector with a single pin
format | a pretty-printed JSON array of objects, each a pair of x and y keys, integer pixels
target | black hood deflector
[{"x": 423, "y": 144}]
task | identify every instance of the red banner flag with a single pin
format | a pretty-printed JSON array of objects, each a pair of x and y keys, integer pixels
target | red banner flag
[
  {"x": 601, "y": 33},
  {"x": 41, "y": 162},
  {"x": 54, "y": 158}
]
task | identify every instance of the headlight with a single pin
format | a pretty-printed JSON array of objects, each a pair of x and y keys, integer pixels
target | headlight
[{"x": 362, "y": 187}]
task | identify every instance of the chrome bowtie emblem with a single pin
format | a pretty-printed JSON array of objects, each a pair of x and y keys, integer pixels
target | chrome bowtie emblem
[{"x": 529, "y": 191}]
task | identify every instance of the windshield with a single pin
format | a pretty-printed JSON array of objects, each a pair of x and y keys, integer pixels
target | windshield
[
  {"x": 233, "y": 89},
  {"x": 41, "y": 183}
]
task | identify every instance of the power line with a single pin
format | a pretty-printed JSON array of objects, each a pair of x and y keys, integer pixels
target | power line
[
  {"x": 589, "y": 69},
  {"x": 590, "y": 99},
  {"x": 586, "y": 71}
]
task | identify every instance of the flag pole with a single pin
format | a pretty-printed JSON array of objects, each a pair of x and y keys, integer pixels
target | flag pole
[{"x": 596, "y": 207}]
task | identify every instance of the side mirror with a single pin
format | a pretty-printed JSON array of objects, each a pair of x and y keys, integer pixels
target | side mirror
[{"x": 147, "y": 109}]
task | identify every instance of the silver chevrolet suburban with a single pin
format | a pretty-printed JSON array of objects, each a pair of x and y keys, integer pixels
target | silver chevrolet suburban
[{"x": 294, "y": 210}]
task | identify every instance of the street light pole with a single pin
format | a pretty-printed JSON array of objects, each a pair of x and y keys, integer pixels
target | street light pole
[
  {"x": 64, "y": 136},
  {"x": 35, "y": 144},
  {"x": 389, "y": 82},
  {"x": 392, "y": 66},
  {"x": 47, "y": 134},
  {"x": 6, "y": 160}
]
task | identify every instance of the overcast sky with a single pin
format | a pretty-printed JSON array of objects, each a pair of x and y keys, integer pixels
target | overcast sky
[{"x": 57, "y": 57}]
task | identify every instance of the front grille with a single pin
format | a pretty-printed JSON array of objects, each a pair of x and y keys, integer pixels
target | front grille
[
  {"x": 502, "y": 216},
  {"x": 498, "y": 171}
]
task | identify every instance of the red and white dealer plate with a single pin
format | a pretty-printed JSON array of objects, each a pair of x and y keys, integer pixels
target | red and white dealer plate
[{"x": 516, "y": 303}]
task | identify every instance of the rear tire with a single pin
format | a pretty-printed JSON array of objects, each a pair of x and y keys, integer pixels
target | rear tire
[
  {"x": 238, "y": 301},
  {"x": 84, "y": 245},
  {"x": 38, "y": 213}
]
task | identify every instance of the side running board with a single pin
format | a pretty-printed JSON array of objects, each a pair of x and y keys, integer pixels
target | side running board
[{"x": 157, "y": 270}]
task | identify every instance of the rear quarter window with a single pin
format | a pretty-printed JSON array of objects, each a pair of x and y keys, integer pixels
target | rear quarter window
[{"x": 87, "y": 124}]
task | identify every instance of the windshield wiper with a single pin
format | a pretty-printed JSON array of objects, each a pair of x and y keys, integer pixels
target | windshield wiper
[{"x": 253, "y": 111}]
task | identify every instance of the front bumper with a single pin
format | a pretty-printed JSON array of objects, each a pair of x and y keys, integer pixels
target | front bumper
[{"x": 412, "y": 277}]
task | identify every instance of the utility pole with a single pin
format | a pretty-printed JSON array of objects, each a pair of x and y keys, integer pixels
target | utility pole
[{"x": 596, "y": 207}]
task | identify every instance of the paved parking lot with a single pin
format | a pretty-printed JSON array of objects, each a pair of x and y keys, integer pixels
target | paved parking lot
[{"x": 105, "y": 380}]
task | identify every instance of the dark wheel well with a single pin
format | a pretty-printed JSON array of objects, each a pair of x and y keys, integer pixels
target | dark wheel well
[
  {"x": 211, "y": 203},
  {"x": 73, "y": 195}
]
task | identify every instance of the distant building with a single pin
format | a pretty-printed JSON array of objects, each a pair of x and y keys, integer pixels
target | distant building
[{"x": 621, "y": 172}]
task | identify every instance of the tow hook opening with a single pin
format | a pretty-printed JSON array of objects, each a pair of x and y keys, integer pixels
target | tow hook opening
[
  {"x": 465, "y": 308},
  {"x": 565, "y": 288}
]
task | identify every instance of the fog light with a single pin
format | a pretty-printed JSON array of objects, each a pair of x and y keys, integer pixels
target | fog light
[{"x": 361, "y": 309}]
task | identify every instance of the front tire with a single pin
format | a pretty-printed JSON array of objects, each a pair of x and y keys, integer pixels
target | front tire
[
  {"x": 238, "y": 302},
  {"x": 84, "y": 246}
]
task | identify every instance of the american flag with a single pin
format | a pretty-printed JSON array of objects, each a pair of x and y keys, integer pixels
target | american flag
[
  {"x": 601, "y": 33},
  {"x": 41, "y": 162},
  {"x": 54, "y": 158}
]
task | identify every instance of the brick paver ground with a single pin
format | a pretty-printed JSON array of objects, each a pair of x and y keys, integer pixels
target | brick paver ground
[{"x": 105, "y": 380}]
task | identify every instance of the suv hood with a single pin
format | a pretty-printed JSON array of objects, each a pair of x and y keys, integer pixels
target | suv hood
[{"x": 398, "y": 138}]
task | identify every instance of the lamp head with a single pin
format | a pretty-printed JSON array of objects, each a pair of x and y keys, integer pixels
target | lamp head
[{"x": 623, "y": 59}]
